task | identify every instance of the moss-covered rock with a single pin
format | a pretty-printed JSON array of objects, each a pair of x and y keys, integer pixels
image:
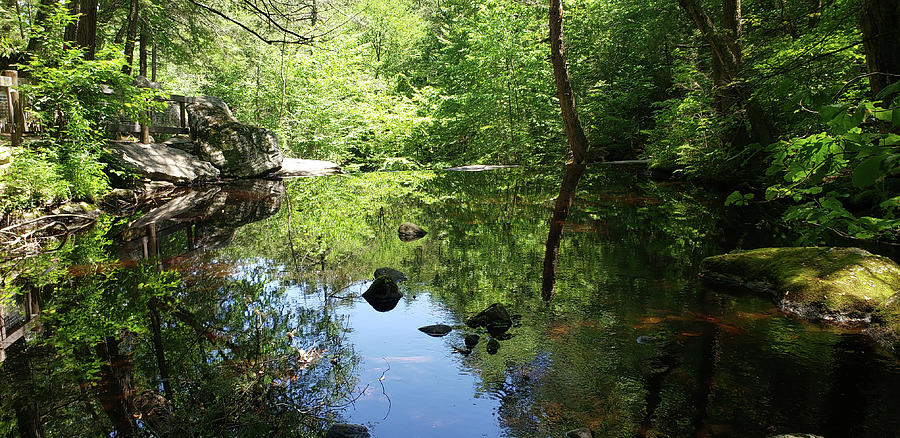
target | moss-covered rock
[{"x": 837, "y": 285}]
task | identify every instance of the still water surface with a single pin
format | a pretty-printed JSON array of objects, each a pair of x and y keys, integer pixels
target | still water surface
[{"x": 631, "y": 345}]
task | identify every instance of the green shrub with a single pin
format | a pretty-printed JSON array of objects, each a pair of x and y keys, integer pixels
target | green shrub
[{"x": 32, "y": 179}]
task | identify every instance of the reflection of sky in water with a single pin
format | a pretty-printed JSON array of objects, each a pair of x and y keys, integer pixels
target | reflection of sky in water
[{"x": 427, "y": 390}]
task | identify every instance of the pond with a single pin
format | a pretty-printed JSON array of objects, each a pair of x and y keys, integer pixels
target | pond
[{"x": 237, "y": 310}]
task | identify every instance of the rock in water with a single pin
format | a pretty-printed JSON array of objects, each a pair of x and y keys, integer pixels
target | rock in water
[
  {"x": 393, "y": 273},
  {"x": 234, "y": 148},
  {"x": 492, "y": 346},
  {"x": 471, "y": 341},
  {"x": 580, "y": 433},
  {"x": 837, "y": 285},
  {"x": 409, "y": 231},
  {"x": 383, "y": 295},
  {"x": 159, "y": 162},
  {"x": 437, "y": 330},
  {"x": 343, "y": 430},
  {"x": 495, "y": 319}
]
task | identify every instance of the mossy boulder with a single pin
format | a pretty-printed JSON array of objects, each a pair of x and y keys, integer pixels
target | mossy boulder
[{"x": 844, "y": 286}]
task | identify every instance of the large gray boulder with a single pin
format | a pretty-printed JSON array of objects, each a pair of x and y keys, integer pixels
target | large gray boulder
[
  {"x": 160, "y": 162},
  {"x": 236, "y": 149}
]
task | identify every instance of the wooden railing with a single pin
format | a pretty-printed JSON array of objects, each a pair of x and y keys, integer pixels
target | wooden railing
[
  {"x": 16, "y": 319},
  {"x": 15, "y": 123},
  {"x": 144, "y": 129}
]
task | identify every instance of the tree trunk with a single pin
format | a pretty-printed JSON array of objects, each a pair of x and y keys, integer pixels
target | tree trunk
[
  {"x": 731, "y": 95},
  {"x": 880, "y": 23},
  {"x": 578, "y": 146},
  {"x": 578, "y": 149},
  {"x": 71, "y": 33},
  {"x": 131, "y": 35},
  {"x": 16, "y": 375},
  {"x": 115, "y": 389},
  {"x": 142, "y": 58},
  {"x": 160, "y": 352},
  {"x": 40, "y": 20},
  {"x": 87, "y": 28},
  {"x": 153, "y": 62}
]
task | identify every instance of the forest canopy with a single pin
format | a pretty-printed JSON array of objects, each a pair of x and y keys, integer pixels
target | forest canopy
[{"x": 792, "y": 103}]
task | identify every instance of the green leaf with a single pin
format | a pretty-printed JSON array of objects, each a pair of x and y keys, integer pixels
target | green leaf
[
  {"x": 895, "y": 118},
  {"x": 829, "y": 112},
  {"x": 735, "y": 198},
  {"x": 868, "y": 172},
  {"x": 886, "y": 91},
  {"x": 859, "y": 116}
]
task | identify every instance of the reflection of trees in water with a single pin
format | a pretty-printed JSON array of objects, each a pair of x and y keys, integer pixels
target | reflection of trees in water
[{"x": 234, "y": 355}]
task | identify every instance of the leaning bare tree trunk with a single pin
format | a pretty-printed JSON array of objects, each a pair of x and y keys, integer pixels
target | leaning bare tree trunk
[
  {"x": 578, "y": 145},
  {"x": 131, "y": 36},
  {"x": 880, "y": 23},
  {"x": 578, "y": 149}
]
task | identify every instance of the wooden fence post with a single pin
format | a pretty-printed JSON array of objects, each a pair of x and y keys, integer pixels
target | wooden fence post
[
  {"x": 14, "y": 106},
  {"x": 145, "y": 131},
  {"x": 6, "y": 83}
]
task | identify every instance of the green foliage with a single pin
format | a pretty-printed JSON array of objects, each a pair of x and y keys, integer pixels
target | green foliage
[
  {"x": 32, "y": 179},
  {"x": 68, "y": 98},
  {"x": 844, "y": 178}
]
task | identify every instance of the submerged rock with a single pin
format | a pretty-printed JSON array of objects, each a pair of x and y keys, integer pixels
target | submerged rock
[
  {"x": 390, "y": 272},
  {"x": 843, "y": 286},
  {"x": 234, "y": 148},
  {"x": 580, "y": 433},
  {"x": 409, "y": 231},
  {"x": 796, "y": 435},
  {"x": 436, "y": 330},
  {"x": 343, "y": 430},
  {"x": 383, "y": 295},
  {"x": 495, "y": 319}
]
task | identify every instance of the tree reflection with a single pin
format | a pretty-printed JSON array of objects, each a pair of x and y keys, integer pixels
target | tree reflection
[{"x": 557, "y": 221}]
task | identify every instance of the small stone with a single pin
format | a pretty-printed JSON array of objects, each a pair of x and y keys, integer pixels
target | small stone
[
  {"x": 409, "y": 231},
  {"x": 383, "y": 295},
  {"x": 436, "y": 330},
  {"x": 343, "y": 430},
  {"x": 492, "y": 346},
  {"x": 495, "y": 319},
  {"x": 471, "y": 341},
  {"x": 390, "y": 272},
  {"x": 580, "y": 433}
]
